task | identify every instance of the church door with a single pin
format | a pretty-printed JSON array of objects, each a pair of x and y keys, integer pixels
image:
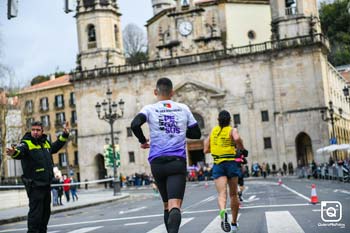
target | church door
[
  {"x": 304, "y": 149},
  {"x": 101, "y": 169}
]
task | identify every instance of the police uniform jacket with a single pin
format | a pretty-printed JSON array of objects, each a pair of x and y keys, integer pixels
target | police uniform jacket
[{"x": 36, "y": 158}]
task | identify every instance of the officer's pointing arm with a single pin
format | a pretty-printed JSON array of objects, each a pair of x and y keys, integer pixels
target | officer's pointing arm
[{"x": 18, "y": 152}]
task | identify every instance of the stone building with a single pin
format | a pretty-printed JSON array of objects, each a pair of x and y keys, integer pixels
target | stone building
[
  {"x": 10, "y": 131},
  {"x": 53, "y": 103},
  {"x": 271, "y": 72}
]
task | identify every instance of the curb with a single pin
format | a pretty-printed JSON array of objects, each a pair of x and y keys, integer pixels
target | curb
[{"x": 22, "y": 218}]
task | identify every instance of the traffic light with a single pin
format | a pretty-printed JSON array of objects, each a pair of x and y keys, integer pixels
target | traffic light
[{"x": 12, "y": 8}]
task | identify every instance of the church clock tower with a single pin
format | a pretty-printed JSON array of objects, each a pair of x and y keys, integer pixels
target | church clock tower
[{"x": 99, "y": 34}]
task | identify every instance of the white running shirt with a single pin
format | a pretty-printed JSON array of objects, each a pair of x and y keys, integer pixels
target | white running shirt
[{"x": 168, "y": 122}]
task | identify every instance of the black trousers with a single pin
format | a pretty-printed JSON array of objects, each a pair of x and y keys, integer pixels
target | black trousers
[{"x": 39, "y": 209}]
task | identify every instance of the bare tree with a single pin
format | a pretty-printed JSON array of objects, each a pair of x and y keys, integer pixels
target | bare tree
[{"x": 135, "y": 44}]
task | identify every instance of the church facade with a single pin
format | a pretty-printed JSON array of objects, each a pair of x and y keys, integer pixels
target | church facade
[{"x": 263, "y": 61}]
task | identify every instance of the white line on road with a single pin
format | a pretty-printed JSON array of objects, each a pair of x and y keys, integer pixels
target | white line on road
[
  {"x": 85, "y": 229},
  {"x": 295, "y": 192},
  {"x": 282, "y": 221},
  {"x": 342, "y": 191},
  {"x": 214, "y": 225},
  {"x": 132, "y": 210},
  {"x": 135, "y": 223},
  {"x": 158, "y": 215},
  {"x": 211, "y": 198},
  {"x": 161, "y": 228}
]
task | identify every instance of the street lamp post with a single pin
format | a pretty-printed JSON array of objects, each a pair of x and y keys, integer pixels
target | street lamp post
[
  {"x": 331, "y": 118},
  {"x": 110, "y": 115}
]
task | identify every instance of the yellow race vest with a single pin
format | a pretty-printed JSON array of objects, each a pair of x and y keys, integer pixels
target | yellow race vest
[{"x": 222, "y": 147}]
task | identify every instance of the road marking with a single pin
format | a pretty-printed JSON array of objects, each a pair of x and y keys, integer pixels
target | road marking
[
  {"x": 342, "y": 191},
  {"x": 211, "y": 198},
  {"x": 215, "y": 224},
  {"x": 295, "y": 192},
  {"x": 158, "y": 215},
  {"x": 85, "y": 229},
  {"x": 161, "y": 228},
  {"x": 14, "y": 230},
  {"x": 251, "y": 199},
  {"x": 282, "y": 221},
  {"x": 132, "y": 210},
  {"x": 135, "y": 223},
  {"x": 53, "y": 231}
]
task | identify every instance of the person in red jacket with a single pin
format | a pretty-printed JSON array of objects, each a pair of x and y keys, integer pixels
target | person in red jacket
[{"x": 66, "y": 187}]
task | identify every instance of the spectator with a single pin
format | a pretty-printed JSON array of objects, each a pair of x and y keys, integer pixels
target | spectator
[
  {"x": 66, "y": 187},
  {"x": 73, "y": 189}
]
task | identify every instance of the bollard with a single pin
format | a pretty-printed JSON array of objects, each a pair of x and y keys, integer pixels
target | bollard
[{"x": 86, "y": 185}]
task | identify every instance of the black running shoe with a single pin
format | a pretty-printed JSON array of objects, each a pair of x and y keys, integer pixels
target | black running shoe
[{"x": 225, "y": 225}]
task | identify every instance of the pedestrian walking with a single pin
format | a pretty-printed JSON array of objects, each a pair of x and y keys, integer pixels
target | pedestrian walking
[
  {"x": 35, "y": 153},
  {"x": 222, "y": 144},
  {"x": 169, "y": 124}
]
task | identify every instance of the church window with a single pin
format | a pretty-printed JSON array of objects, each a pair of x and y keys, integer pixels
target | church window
[
  {"x": 264, "y": 115},
  {"x": 251, "y": 35},
  {"x": 236, "y": 119},
  {"x": 91, "y": 36},
  {"x": 128, "y": 131},
  {"x": 267, "y": 143},
  {"x": 116, "y": 35},
  {"x": 131, "y": 157}
]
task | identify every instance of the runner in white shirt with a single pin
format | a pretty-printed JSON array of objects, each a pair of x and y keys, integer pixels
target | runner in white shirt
[{"x": 169, "y": 123}]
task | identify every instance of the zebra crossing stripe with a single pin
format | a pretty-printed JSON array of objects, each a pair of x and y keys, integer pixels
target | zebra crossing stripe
[
  {"x": 215, "y": 225},
  {"x": 288, "y": 225},
  {"x": 85, "y": 229},
  {"x": 161, "y": 228}
]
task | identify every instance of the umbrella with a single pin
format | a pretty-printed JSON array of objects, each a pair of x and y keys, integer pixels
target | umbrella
[{"x": 333, "y": 147}]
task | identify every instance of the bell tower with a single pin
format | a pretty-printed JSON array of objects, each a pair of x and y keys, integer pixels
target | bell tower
[
  {"x": 160, "y": 5},
  {"x": 99, "y": 34},
  {"x": 293, "y": 18}
]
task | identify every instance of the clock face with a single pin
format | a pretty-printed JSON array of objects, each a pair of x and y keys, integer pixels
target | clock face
[{"x": 185, "y": 28}]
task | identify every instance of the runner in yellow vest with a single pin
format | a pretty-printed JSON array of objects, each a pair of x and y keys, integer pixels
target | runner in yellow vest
[{"x": 222, "y": 144}]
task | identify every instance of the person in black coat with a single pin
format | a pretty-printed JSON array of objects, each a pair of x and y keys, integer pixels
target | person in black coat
[{"x": 35, "y": 153}]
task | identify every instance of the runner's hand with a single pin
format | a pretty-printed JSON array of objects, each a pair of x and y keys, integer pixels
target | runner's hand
[{"x": 145, "y": 145}]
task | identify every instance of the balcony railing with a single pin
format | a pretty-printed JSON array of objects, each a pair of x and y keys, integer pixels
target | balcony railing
[{"x": 269, "y": 46}]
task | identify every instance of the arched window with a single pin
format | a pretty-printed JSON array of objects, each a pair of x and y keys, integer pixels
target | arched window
[
  {"x": 116, "y": 36},
  {"x": 91, "y": 35},
  {"x": 199, "y": 119}
]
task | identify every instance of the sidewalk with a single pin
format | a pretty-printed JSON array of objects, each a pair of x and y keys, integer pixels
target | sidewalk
[{"x": 86, "y": 198}]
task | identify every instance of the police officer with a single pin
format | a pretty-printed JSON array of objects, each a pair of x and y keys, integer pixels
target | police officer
[{"x": 35, "y": 153}]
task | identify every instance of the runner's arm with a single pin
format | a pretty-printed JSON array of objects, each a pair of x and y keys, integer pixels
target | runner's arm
[
  {"x": 237, "y": 138},
  {"x": 136, "y": 124}
]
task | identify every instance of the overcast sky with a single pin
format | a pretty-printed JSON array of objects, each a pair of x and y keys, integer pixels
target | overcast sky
[{"x": 42, "y": 38}]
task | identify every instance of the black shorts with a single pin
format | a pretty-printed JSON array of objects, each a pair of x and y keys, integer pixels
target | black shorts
[{"x": 169, "y": 172}]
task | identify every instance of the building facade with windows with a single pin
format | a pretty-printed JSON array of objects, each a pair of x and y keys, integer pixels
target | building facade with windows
[
  {"x": 53, "y": 103},
  {"x": 263, "y": 61}
]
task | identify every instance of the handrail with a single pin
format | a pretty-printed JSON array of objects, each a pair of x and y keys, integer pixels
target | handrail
[{"x": 276, "y": 45}]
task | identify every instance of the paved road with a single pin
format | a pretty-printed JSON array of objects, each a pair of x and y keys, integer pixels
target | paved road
[{"x": 268, "y": 208}]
